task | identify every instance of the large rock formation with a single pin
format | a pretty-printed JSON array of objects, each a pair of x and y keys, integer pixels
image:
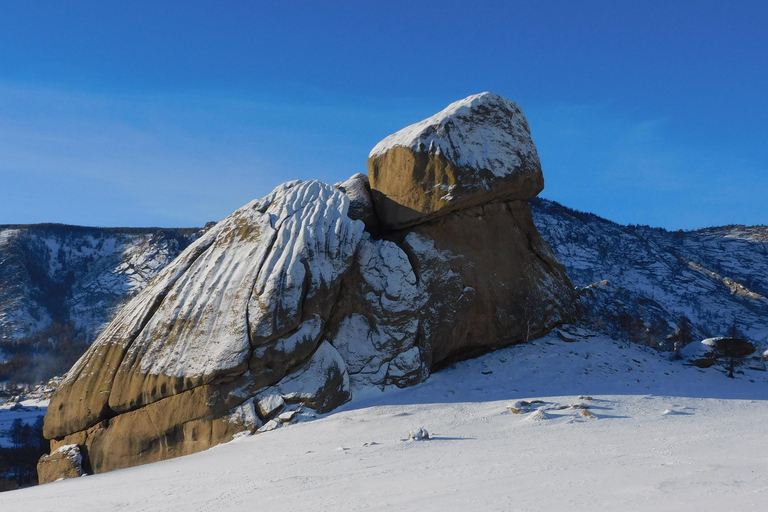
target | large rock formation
[
  {"x": 452, "y": 190},
  {"x": 240, "y": 310},
  {"x": 489, "y": 272},
  {"x": 289, "y": 302},
  {"x": 475, "y": 151}
]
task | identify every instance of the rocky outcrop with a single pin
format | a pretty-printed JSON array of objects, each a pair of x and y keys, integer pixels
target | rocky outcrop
[
  {"x": 289, "y": 303},
  {"x": 475, "y": 151},
  {"x": 242, "y": 309},
  {"x": 488, "y": 270},
  {"x": 452, "y": 190},
  {"x": 64, "y": 462}
]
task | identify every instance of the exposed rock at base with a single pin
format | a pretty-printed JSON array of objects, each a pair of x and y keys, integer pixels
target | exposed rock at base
[
  {"x": 491, "y": 281},
  {"x": 65, "y": 462},
  {"x": 475, "y": 151}
]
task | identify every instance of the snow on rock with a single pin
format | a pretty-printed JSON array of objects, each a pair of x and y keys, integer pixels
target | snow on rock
[
  {"x": 246, "y": 415},
  {"x": 358, "y": 190},
  {"x": 419, "y": 434},
  {"x": 376, "y": 319},
  {"x": 287, "y": 416},
  {"x": 270, "y": 402},
  {"x": 242, "y": 309},
  {"x": 483, "y": 131},
  {"x": 322, "y": 383},
  {"x": 270, "y": 425},
  {"x": 475, "y": 150},
  {"x": 64, "y": 462}
]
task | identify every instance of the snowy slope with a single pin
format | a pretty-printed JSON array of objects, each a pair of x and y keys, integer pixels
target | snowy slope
[
  {"x": 646, "y": 279},
  {"x": 664, "y": 436}
]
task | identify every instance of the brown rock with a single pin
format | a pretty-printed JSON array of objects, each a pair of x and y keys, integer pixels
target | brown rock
[
  {"x": 491, "y": 281},
  {"x": 81, "y": 400},
  {"x": 64, "y": 462},
  {"x": 475, "y": 151},
  {"x": 240, "y": 310}
]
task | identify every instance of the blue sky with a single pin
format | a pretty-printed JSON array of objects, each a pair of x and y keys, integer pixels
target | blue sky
[{"x": 177, "y": 113}]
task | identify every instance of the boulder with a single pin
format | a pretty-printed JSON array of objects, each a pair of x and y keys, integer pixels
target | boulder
[
  {"x": 730, "y": 347},
  {"x": 289, "y": 303},
  {"x": 64, "y": 462},
  {"x": 475, "y": 151},
  {"x": 242, "y": 309}
]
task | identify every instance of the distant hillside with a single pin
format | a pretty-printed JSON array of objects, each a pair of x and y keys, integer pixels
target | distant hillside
[
  {"x": 60, "y": 284},
  {"x": 639, "y": 283}
]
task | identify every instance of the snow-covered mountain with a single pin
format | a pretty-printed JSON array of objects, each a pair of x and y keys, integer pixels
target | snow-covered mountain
[
  {"x": 57, "y": 273},
  {"x": 637, "y": 282},
  {"x": 61, "y": 282}
]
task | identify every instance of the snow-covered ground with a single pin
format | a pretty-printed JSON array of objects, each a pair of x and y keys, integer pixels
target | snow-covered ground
[{"x": 663, "y": 436}]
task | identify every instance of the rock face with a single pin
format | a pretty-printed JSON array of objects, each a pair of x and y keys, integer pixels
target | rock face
[
  {"x": 487, "y": 269},
  {"x": 289, "y": 303},
  {"x": 242, "y": 309},
  {"x": 452, "y": 190},
  {"x": 64, "y": 462},
  {"x": 476, "y": 150}
]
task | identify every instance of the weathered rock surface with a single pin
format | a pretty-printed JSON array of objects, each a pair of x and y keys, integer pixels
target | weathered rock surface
[
  {"x": 288, "y": 303},
  {"x": 65, "y": 462},
  {"x": 475, "y": 151},
  {"x": 491, "y": 281},
  {"x": 242, "y": 309},
  {"x": 375, "y": 324},
  {"x": 358, "y": 190}
]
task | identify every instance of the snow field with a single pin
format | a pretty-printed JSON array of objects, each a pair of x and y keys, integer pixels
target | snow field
[{"x": 664, "y": 437}]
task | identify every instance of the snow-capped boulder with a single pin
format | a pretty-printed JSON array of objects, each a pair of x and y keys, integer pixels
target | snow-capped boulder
[
  {"x": 65, "y": 462},
  {"x": 476, "y": 150},
  {"x": 242, "y": 309}
]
